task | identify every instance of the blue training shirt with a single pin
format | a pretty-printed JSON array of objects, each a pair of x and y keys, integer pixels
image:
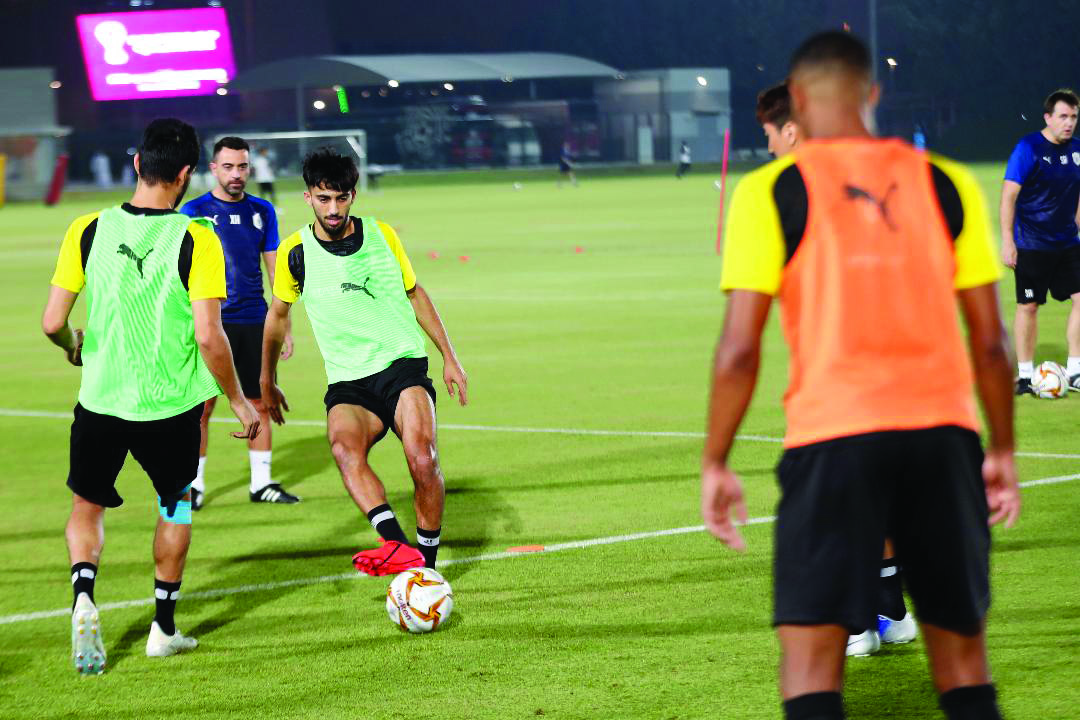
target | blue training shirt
[
  {"x": 247, "y": 228},
  {"x": 1049, "y": 176}
]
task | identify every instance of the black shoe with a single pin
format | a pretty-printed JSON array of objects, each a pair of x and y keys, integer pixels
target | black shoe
[
  {"x": 274, "y": 493},
  {"x": 196, "y": 499},
  {"x": 1023, "y": 386},
  {"x": 1074, "y": 382}
]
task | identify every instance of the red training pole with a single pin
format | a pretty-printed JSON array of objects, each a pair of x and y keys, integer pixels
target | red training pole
[{"x": 723, "y": 192}]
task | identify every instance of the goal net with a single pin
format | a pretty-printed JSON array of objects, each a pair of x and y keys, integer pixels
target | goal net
[{"x": 286, "y": 150}]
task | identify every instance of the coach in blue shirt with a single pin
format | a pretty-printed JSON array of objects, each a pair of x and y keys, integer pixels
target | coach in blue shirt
[
  {"x": 247, "y": 227},
  {"x": 1040, "y": 209}
]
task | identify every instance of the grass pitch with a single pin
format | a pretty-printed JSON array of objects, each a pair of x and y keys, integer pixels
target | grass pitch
[{"x": 615, "y": 336}]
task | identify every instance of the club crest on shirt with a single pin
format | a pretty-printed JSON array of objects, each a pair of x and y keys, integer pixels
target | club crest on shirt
[
  {"x": 257, "y": 220},
  {"x": 1076, "y": 158}
]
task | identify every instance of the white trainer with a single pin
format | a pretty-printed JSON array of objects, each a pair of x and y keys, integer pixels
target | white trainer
[
  {"x": 158, "y": 644},
  {"x": 863, "y": 644},
  {"x": 897, "y": 631},
  {"x": 87, "y": 648}
]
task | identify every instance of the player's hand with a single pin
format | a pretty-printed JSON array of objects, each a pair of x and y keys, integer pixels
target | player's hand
[
  {"x": 720, "y": 492},
  {"x": 287, "y": 347},
  {"x": 274, "y": 402},
  {"x": 454, "y": 374},
  {"x": 247, "y": 415},
  {"x": 74, "y": 355},
  {"x": 1008, "y": 254},
  {"x": 1002, "y": 489}
]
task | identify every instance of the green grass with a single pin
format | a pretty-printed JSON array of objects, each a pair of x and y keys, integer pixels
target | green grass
[{"x": 616, "y": 337}]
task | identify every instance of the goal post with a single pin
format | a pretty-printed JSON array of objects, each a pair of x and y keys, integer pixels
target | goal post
[{"x": 287, "y": 149}]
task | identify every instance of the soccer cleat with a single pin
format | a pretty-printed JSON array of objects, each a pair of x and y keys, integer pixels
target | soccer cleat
[
  {"x": 274, "y": 493},
  {"x": 897, "y": 631},
  {"x": 197, "y": 498},
  {"x": 158, "y": 644},
  {"x": 1023, "y": 386},
  {"x": 390, "y": 558},
  {"x": 1074, "y": 382},
  {"x": 863, "y": 644},
  {"x": 87, "y": 648}
]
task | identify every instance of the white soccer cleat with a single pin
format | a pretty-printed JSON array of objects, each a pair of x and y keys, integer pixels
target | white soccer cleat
[
  {"x": 863, "y": 644},
  {"x": 87, "y": 648},
  {"x": 897, "y": 631},
  {"x": 158, "y": 644}
]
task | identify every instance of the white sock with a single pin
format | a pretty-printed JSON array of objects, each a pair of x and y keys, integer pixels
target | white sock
[
  {"x": 260, "y": 469},
  {"x": 1073, "y": 367},
  {"x": 1026, "y": 369},
  {"x": 199, "y": 483}
]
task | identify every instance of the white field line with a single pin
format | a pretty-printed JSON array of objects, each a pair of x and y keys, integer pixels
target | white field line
[
  {"x": 300, "y": 582},
  {"x": 4, "y": 412}
]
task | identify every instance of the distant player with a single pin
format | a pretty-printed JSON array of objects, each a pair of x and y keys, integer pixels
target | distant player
[
  {"x": 774, "y": 116},
  {"x": 152, "y": 353},
  {"x": 1039, "y": 207},
  {"x": 264, "y": 174},
  {"x": 248, "y": 229},
  {"x": 366, "y": 310},
  {"x": 566, "y": 165},
  {"x": 684, "y": 160},
  {"x": 894, "y": 623},
  {"x": 869, "y": 245}
]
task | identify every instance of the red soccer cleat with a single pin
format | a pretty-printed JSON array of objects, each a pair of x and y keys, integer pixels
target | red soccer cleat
[{"x": 390, "y": 558}]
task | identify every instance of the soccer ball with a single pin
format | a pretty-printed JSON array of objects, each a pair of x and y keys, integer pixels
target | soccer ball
[
  {"x": 419, "y": 600},
  {"x": 517, "y": 186},
  {"x": 1050, "y": 381}
]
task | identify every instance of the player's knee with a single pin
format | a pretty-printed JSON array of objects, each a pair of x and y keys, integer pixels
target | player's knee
[
  {"x": 1029, "y": 310},
  {"x": 422, "y": 461},
  {"x": 346, "y": 453}
]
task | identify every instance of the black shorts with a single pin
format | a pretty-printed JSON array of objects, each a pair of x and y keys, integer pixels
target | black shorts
[
  {"x": 167, "y": 449},
  {"x": 266, "y": 188},
  {"x": 379, "y": 393},
  {"x": 246, "y": 342},
  {"x": 565, "y": 167},
  {"x": 1038, "y": 271},
  {"x": 839, "y": 501}
]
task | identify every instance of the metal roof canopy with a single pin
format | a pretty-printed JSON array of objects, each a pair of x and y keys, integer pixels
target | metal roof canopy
[{"x": 352, "y": 70}]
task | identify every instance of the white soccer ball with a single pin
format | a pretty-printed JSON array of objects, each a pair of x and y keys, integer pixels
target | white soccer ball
[
  {"x": 517, "y": 186},
  {"x": 1050, "y": 381},
  {"x": 419, "y": 600}
]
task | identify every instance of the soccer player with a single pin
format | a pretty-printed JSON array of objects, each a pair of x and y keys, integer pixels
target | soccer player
[
  {"x": 247, "y": 227},
  {"x": 366, "y": 310},
  {"x": 264, "y": 174},
  {"x": 1040, "y": 204},
  {"x": 566, "y": 165},
  {"x": 869, "y": 245},
  {"x": 684, "y": 160},
  {"x": 152, "y": 353},
  {"x": 894, "y": 623}
]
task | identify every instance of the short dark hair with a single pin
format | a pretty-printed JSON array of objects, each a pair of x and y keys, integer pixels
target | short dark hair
[
  {"x": 833, "y": 50},
  {"x": 326, "y": 167},
  {"x": 232, "y": 142},
  {"x": 1065, "y": 95},
  {"x": 774, "y": 105},
  {"x": 168, "y": 146}
]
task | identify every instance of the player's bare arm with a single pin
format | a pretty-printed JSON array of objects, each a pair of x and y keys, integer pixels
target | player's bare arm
[
  {"x": 428, "y": 317},
  {"x": 54, "y": 322},
  {"x": 275, "y": 330},
  {"x": 214, "y": 347},
  {"x": 270, "y": 260},
  {"x": 1009, "y": 192},
  {"x": 735, "y": 370},
  {"x": 988, "y": 342}
]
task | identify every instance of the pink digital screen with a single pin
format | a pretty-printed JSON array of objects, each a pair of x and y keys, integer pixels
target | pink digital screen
[{"x": 156, "y": 53}]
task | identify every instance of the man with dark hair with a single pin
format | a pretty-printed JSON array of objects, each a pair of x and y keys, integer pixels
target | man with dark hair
[
  {"x": 774, "y": 116},
  {"x": 1040, "y": 211},
  {"x": 870, "y": 245},
  {"x": 152, "y": 353},
  {"x": 366, "y": 310},
  {"x": 247, "y": 227}
]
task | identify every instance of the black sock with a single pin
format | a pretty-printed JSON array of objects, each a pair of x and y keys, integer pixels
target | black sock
[
  {"x": 891, "y": 591},
  {"x": 974, "y": 702},
  {"x": 165, "y": 597},
  {"x": 83, "y": 575},
  {"x": 815, "y": 706},
  {"x": 384, "y": 521},
  {"x": 428, "y": 543}
]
